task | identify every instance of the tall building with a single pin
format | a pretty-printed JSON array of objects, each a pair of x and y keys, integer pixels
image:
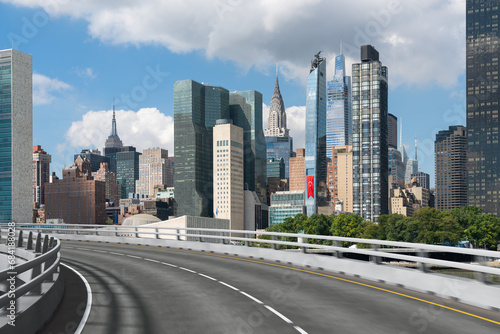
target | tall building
[
  {"x": 94, "y": 157},
  {"x": 285, "y": 204},
  {"x": 153, "y": 171},
  {"x": 370, "y": 149},
  {"x": 280, "y": 148},
  {"x": 297, "y": 171},
  {"x": 16, "y": 109},
  {"x": 315, "y": 161},
  {"x": 197, "y": 107},
  {"x": 483, "y": 51},
  {"x": 76, "y": 198},
  {"x": 113, "y": 144},
  {"x": 423, "y": 179},
  {"x": 340, "y": 177},
  {"x": 396, "y": 165},
  {"x": 451, "y": 176},
  {"x": 392, "y": 131},
  {"x": 229, "y": 199},
  {"x": 113, "y": 189},
  {"x": 411, "y": 166},
  {"x": 246, "y": 112},
  {"x": 127, "y": 169},
  {"x": 41, "y": 173},
  {"x": 338, "y": 108}
]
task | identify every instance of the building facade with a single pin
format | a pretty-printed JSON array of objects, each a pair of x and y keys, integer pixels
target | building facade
[
  {"x": 483, "y": 53},
  {"x": 16, "y": 110},
  {"x": 229, "y": 199},
  {"x": 127, "y": 169},
  {"x": 338, "y": 108},
  {"x": 370, "y": 149},
  {"x": 113, "y": 189},
  {"x": 315, "y": 157},
  {"x": 392, "y": 131},
  {"x": 340, "y": 177},
  {"x": 280, "y": 148},
  {"x": 396, "y": 165},
  {"x": 424, "y": 179},
  {"x": 94, "y": 157},
  {"x": 153, "y": 171},
  {"x": 297, "y": 171},
  {"x": 285, "y": 204},
  {"x": 451, "y": 176},
  {"x": 197, "y": 107},
  {"x": 41, "y": 173}
]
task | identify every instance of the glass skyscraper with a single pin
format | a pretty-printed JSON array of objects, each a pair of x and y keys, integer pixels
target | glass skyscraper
[
  {"x": 127, "y": 169},
  {"x": 197, "y": 107},
  {"x": 16, "y": 157},
  {"x": 315, "y": 160},
  {"x": 370, "y": 148},
  {"x": 483, "y": 146},
  {"x": 246, "y": 112},
  {"x": 338, "y": 108}
]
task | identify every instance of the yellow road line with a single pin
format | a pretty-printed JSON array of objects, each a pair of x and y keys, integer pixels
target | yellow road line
[{"x": 314, "y": 273}]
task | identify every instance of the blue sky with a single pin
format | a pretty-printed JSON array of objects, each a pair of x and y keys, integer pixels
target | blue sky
[{"x": 88, "y": 52}]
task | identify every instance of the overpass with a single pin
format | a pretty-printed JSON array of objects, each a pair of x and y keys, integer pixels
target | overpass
[{"x": 172, "y": 280}]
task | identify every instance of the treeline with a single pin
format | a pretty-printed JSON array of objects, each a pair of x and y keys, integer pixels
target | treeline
[{"x": 428, "y": 225}]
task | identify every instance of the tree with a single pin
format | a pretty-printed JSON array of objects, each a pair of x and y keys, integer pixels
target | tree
[{"x": 484, "y": 231}]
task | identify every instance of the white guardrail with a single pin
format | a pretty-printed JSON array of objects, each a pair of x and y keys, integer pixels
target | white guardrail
[
  {"x": 382, "y": 255},
  {"x": 31, "y": 287}
]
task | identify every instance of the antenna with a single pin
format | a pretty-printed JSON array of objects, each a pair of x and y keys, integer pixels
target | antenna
[
  {"x": 415, "y": 145},
  {"x": 341, "y": 49}
]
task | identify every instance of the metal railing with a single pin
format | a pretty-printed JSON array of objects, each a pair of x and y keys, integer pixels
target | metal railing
[{"x": 376, "y": 251}]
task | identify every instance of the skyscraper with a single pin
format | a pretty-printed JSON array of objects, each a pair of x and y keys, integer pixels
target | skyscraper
[
  {"x": 370, "y": 149},
  {"x": 197, "y": 107},
  {"x": 41, "y": 173},
  {"x": 113, "y": 144},
  {"x": 229, "y": 199},
  {"x": 483, "y": 51},
  {"x": 451, "y": 177},
  {"x": 338, "y": 108},
  {"x": 392, "y": 131},
  {"x": 127, "y": 169},
  {"x": 94, "y": 157},
  {"x": 16, "y": 108},
  {"x": 246, "y": 112},
  {"x": 315, "y": 161},
  {"x": 340, "y": 177},
  {"x": 153, "y": 169},
  {"x": 113, "y": 189},
  {"x": 297, "y": 171}
]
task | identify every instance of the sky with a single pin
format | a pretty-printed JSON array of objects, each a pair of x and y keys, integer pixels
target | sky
[{"x": 88, "y": 53}]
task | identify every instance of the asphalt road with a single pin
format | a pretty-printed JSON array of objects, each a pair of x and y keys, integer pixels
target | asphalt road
[{"x": 139, "y": 289}]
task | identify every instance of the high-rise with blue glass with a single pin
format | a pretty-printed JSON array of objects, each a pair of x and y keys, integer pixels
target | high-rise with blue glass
[
  {"x": 370, "y": 147},
  {"x": 338, "y": 108},
  {"x": 315, "y": 160},
  {"x": 16, "y": 109}
]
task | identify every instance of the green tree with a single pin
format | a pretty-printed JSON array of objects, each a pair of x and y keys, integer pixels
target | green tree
[
  {"x": 484, "y": 232},
  {"x": 345, "y": 225}
]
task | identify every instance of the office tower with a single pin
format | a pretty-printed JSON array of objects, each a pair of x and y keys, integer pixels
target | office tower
[
  {"x": 370, "y": 149},
  {"x": 338, "y": 108},
  {"x": 153, "y": 170},
  {"x": 340, "y": 177},
  {"x": 483, "y": 53},
  {"x": 279, "y": 144},
  {"x": 246, "y": 112},
  {"x": 392, "y": 131},
  {"x": 229, "y": 200},
  {"x": 41, "y": 173},
  {"x": 276, "y": 168},
  {"x": 423, "y": 179},
  {"x": 16, "y": 190},
  {"x": 113, "y": 144},
  {"x": 127, "y": 169},
  {"x": 170, "y": 171},
  {"x": 94, "y": 157},
  {"x": 76, "y": 198},
  {"x": 396, "y": 165},
  {"x": 411, "y": 166},
  {"x": 113, "y": 189},
  {"x": 451, "y": 176},
  {"x": 285, "y": 204},
  {"x": 297, "y": 171},
  {"x": 196, "y": 109},
  {"x": 315, "y": 161}
]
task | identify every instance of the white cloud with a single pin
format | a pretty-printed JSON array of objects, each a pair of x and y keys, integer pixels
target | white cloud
[
  {"x": 45, "y": 89},
  {"x": 145, "y": 128},
  {"x": 421, "y": 42},
  {"x": 85, "y": 73}
]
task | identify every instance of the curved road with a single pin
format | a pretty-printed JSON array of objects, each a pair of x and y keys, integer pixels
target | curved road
[{"x": 140, "y": 289}]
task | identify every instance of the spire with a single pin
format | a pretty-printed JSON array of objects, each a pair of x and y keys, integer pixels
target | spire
[
  {"x": 113, "y": 139},
  {"x": 113, "y": 122},
  {"x": 341, "y": 49},
  {"x": 277, "y": 114}
]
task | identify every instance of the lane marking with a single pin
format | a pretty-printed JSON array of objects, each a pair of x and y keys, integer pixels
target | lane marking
[
  {"x": 300, "y": 330},
  {"x": 89, "y": 301},
  {"x": 169, "y": 264},
  {"x": 314, "y": 273},
  {"x": 135, "y": 257},
  {"x": 68, "y": 247},
  {"x": 151, "y": 260},
  {"x": 191, "y": 271},
  {"x": 116, "y": 253},
  {"x": 87, "y": 249},
  {"x": 251, "y": 297},
  {"x": 278, "y": 314},
  {"x": 99, "y": 251},
  {"x": 229, "y": 286},
  {"x": 213, "y": 279}
]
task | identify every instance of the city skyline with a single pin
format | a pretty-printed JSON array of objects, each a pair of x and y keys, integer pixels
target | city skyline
[{"x": 74, "y": 92}]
